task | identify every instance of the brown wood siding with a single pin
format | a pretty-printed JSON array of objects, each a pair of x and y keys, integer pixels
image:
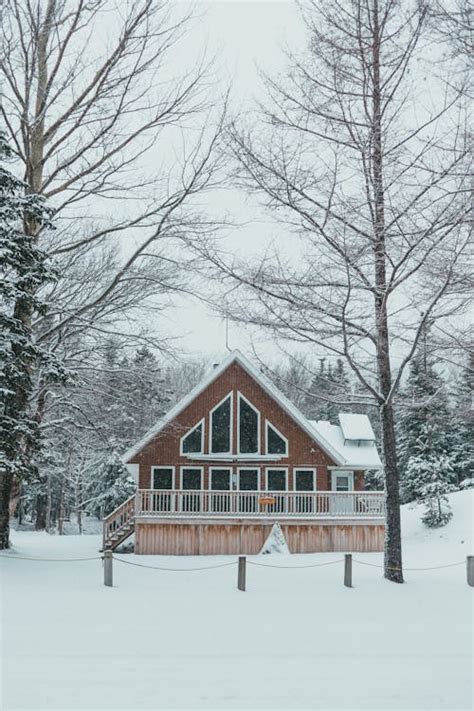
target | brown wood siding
[
  {"x": 163, "y": 450},
  {"x": 248, "y": 538}
]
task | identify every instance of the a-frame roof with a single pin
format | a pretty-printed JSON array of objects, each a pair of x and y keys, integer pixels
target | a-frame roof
[{"x": 290, "y": 409}]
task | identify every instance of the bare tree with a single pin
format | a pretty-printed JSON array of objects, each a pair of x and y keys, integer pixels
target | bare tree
[
  {"x": 360, "y": 150},
  {"x": 119, "y": 142}
]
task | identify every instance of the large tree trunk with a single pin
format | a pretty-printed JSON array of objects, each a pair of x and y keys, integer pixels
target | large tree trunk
[
  {"x": 41, "y": 510},
  {"x": 6, "y": 479},
  {"x": 393, "y": 544},
  {"x": 393, "y": 541}
]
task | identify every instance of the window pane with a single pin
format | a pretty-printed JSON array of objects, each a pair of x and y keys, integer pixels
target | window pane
[
  {"x": 248, "y": 428},
  {"x": 277, "y": 480},
  {"x": 275, "y": 443},
  {"x": 220, "y": 479},
  {"x": 191, "y": 478},
  {"x": 342, "y": 483},
  {"x": 249, "y": 480},
  {"x": 220, "y": 439},
  {"x": 162, "y": 478},
  {"x": 304, "y": 480},
  {"x": 193, "y": 441}
]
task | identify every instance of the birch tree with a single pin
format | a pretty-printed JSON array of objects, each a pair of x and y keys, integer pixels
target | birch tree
[{"x": 360, "y": 150}]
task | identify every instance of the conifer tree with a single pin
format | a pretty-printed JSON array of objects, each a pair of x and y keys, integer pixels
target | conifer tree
[
  {"x": 425, "y": 430},
  {"x": 329, "y": 392},
  {"x": 23, "y": 269},
  {"x": 463, "y": 423}
]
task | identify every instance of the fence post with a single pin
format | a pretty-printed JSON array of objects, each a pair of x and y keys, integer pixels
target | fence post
[
  {"x": 470, "y": 570},
  {"x": 348, "y": 570},
  {"x": 108, "y": 573},
  {"x": 241, "y": 573}
]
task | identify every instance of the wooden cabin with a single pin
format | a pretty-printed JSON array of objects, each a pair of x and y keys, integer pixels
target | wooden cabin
[{"x": 235, "y": 456}]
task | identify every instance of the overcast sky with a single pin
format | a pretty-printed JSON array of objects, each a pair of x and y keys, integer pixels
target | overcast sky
[{"x": 245, "y": 34}]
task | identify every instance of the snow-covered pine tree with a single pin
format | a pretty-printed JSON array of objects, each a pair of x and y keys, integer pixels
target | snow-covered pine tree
[
  {"x": 23, "y": 269},
  {"x": 430, "y": 478},
  {"x": 425, "y": 431},
  {"x": 463, "y": 423},
  {"x": 113, "y": 485},
  {"x": 330, "y": 389}
]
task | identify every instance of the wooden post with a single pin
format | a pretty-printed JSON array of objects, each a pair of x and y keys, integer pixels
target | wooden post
[
  {"x": 108, "y": 574},
  {"x": 470, "y": 570},
  {"x": 241, "y": 573},
  {"x": 348, "y": 570}
]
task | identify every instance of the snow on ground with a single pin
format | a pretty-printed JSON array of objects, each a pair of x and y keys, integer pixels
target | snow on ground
[{"x": 297, "y": 639}]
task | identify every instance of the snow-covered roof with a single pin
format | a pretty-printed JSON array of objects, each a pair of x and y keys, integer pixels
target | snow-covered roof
[
  {"x": 356, "y": 427},
  {"x": 330, "y": 445},
  {"x": 362, "y": 455}
]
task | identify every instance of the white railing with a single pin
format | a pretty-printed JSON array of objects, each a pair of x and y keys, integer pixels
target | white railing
[
  {"x": 243, "y": 504},
  {"x": 117, "y": 522}
]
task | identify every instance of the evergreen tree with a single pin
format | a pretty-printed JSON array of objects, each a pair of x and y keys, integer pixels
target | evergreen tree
[
  {"x": 329, "y": 392},
  {"x": 113, "y": 485},
  {"x": 425, "y": 431},
  {"x": 463, "y": 423},
  {"x": 429, "y": 477},
  {"x": 23, "y": 269}
]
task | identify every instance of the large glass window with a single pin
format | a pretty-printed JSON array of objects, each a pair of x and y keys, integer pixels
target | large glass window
[
  {"x": 276, "y": 443},
  {"x": 162, "y": 478},
  {"x": 220, "y": 427},
  {"x": 220, "y": 479},
  {"x": 248, "y": 487},
  {"x": 191, "y": 481},
  {"x": 191, "y": 478},
  {"x": 248, "y": 479},
  {"x": 304, "y": 480},
  {"x": 248, "y": 428},
  {"x": 276, "y": 479},
  {"x": 192, "y": 442}
]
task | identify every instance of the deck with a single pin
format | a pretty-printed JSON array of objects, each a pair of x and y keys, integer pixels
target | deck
[
  {"x": 257, "y": 504},
  {"x": 193, "y": 522}
]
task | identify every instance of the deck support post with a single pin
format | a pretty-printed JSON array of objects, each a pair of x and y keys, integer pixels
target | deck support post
[
  {"x": 241, "y": 575},
  {"x": 470, "y": 570},
  {"x": 108, "y": 572},
  {"x": 348, "y": 570}
]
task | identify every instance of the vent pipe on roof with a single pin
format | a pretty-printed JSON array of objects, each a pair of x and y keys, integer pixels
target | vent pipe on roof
[{"x": 215, "y": 365}]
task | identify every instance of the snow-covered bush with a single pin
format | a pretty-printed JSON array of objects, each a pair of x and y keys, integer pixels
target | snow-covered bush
[{"x": 431, "y": 479}]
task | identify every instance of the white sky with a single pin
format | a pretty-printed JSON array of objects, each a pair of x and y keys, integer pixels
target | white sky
[{"x": 246, "y": 34}]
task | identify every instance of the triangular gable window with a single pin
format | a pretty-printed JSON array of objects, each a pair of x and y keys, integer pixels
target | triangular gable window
[
  {"x": 221, "y": 419},
  {"x": 193, "y": 441},
  {"x": 249, "y": 427},
  {"x": 276, "y": 442}
]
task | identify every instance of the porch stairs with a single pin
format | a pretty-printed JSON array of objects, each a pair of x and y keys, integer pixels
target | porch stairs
[{"x": 119, "y": 525}]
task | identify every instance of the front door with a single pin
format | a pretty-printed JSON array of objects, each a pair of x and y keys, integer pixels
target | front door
[{"x": 343, "y": 483}]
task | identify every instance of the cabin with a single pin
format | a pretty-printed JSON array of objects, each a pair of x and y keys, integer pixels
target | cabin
[{"x": 234, "y": 457}]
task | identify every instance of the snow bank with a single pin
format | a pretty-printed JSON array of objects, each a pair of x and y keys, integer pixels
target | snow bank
[{"x": 297, "y": 639}]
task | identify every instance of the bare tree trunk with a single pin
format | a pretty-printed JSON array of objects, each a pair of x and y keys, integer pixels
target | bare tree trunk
[{"x": 6, "y": 479}]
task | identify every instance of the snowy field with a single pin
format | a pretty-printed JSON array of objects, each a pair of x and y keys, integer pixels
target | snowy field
[{"x": 297, "y": 639}]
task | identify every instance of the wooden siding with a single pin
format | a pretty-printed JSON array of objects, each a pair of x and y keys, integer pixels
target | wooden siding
[
  {"x": 164, "y": 449},
  {"x": 233, "y": 538}
]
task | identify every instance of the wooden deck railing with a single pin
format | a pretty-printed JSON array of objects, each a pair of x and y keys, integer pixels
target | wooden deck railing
[
  {"x": 243, "y": 504},
  {"x": 119, "y": 523}
]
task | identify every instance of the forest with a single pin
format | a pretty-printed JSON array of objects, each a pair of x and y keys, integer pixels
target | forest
[{"x": 114, "y": 160}]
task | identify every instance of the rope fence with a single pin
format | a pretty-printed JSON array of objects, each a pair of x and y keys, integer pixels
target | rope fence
[{"x": 108, "y": 557}]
